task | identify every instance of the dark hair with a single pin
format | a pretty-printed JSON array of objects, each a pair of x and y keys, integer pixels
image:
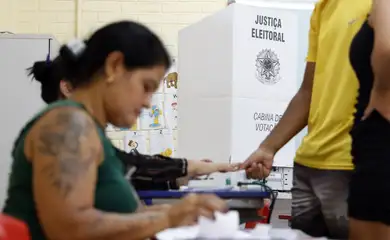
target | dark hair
[
  {"x": 140, "y": 46},
  {"x": 49, "y": 74}
]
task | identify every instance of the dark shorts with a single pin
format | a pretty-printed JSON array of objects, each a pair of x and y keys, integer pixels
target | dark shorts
[
  {"x": 319, "y": 202},
  {"x": 369, "y": 193}
]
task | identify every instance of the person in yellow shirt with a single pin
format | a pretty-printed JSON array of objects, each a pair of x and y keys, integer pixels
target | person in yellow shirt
[{"x": 325, "y": 104}]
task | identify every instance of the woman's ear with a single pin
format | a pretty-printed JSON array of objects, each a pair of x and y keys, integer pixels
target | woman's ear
[
  {"x": 66, "y": 88},
  {"x": 114, "y": 66}
]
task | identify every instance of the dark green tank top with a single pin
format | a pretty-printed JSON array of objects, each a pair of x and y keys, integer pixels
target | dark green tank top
[{"x": 113, "y": 192}]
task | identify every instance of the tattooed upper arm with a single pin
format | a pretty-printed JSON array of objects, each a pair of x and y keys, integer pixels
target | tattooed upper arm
[{"x": 65, "y": 153}]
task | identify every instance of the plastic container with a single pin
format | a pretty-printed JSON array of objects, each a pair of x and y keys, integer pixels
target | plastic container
[{"x": 228, "y": 180}]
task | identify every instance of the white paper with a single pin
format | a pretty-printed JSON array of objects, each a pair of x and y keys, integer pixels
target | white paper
[
  {"x": 175, "y": 143},
  {"x": 287, "y": 234},
  {"x": 170, "y": 111},
  {"x": 153, "y": 118},
  {"x": 229, "y": 222},
  {"x": 225, "y": 226},
  {"x": 136, "y": 140},
  {"x": 178, "y": 233},
  {"x": 266, "y": 232},
  {"x": 261, "y": 231},
  {"x": 161, "y": 142}
]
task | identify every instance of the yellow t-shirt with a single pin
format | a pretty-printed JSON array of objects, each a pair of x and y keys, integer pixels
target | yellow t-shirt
[{"x": 334, "y": 23}]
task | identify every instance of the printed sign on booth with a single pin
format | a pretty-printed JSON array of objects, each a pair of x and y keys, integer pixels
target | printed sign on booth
[
  {"x": 252, "y": 122},
  {"x": 265, "y": 47}
]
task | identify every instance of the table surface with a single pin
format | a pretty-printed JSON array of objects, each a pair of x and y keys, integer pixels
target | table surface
[{"x": 226, "y": 194}]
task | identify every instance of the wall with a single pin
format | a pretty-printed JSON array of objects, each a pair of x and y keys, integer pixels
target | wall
[
  {"x": 58, "y": 16},
  {"x": 165, "y": 17}
]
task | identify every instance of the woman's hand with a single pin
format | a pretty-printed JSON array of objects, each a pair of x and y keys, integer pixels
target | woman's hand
[
  {"x": 191, "y": 207},
  {"x": 227, "y": 167},
  {"x": 205, "y": 167}
]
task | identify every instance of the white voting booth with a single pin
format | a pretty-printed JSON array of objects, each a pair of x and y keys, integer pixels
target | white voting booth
[
  {"x": 21, "y": 97},
  {"x": 238, "y": 70}
]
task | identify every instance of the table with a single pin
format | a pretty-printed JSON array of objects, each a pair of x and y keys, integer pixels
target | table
[
  {"x": 246, "y": 202},
  {"x": 225, "y": 194}
]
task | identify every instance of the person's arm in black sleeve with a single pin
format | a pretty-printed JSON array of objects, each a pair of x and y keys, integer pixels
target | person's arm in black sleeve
[{"x": 156, "y": 168}]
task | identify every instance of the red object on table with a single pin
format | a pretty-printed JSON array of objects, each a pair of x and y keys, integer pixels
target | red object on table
[
  {"x": 13, "y": 229},
  {"x": 264, "y": 213},
  {"x": 285, "y": 217}
]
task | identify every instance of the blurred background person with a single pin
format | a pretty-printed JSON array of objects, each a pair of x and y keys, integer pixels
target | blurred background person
[{"x": 66, "y": 181}]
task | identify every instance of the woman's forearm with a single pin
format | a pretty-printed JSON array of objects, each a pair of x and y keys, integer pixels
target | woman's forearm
[
  {"x": 198, "y": 168},
  {"x": 153, "y": 208},
  {"x": 93, "y": 224}
]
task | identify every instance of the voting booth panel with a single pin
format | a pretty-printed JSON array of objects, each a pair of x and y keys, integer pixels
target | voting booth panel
[
  {"x": 205, "y": 89},
  {"x": 21, "y": 97},
  {"x": 302, "y": 10},
  {"x": 239, "y": 68}
]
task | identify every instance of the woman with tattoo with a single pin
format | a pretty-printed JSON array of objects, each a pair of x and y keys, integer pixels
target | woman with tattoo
[
  {"x": 66, "y": 180},
  {"x": 151, "y": 172}
]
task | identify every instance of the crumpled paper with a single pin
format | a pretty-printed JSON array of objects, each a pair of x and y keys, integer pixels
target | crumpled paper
[
  {"x": 229, "y": 222},
  {"x": 226, "y": 226},
  {"x": 266, "y": 232}
]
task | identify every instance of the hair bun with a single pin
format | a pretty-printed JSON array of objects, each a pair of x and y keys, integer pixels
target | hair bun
[
  {"x": 70, "y": 54},
  {"x": 40, "y": 71}
]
